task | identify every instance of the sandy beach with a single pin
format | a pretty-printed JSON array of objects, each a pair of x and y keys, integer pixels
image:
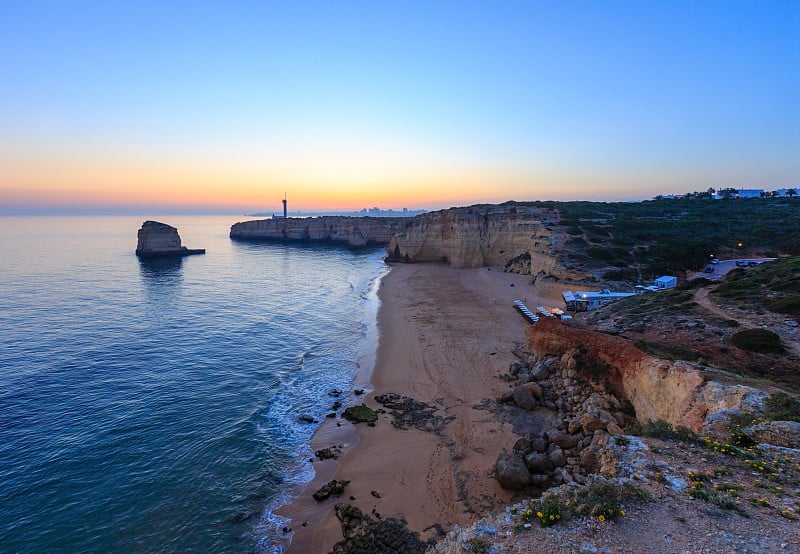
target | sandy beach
[{"x": 444, "y": 336}]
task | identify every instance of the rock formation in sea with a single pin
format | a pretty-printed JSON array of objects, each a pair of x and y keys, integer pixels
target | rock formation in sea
[
  {"x": 160, "y": 239},
  {"x": 514, "y": 236}
]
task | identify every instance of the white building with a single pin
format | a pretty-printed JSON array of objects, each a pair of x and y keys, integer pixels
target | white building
[
  {"x": 581, "y": 301},
  {"x": 666, "y": 282}
]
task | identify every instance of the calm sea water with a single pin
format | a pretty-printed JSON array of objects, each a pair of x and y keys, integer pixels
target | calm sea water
[{"x": 153, "y": 407}]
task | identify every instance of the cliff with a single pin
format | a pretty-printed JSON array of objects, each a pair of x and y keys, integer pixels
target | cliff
[
  {"x": 160, "y": 239},
  {"x": 518, "y": 238},
  {"x": 353, "y": 231},
  {"x": 675, "y": 391}
]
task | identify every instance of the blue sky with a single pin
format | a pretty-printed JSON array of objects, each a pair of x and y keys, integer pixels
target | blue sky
[{"x": 428, "y": 104}]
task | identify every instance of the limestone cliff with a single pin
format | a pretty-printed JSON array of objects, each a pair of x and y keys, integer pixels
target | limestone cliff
[
  {"x": 160, "y": 239},
  {"x": 676, "y": 392},
  {"x": 353, "y": 231},
  {"x": 516, "y": 237}
]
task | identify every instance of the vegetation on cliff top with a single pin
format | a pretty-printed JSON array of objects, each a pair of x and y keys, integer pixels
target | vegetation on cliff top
[
  {"x": 642, "y": 240},
  {"x": 774, "y": 286},
  {"x": 747, "y": 331}
]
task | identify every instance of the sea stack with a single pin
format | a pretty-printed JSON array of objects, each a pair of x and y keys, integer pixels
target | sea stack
[{"x": 160, "y": 239}]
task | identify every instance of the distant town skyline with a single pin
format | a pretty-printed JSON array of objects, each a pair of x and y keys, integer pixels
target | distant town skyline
[{"x": 154, "y": 107}]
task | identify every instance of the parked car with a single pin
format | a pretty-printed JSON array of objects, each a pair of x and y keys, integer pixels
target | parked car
[
  {"x": 709, "y": 269},
  {"x": 741, "y": 263},
  {"x": 752, "y": 264},
  {"x": 715, "y": 261}
]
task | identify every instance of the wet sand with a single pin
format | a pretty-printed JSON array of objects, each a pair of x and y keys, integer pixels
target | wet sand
[{"x": 445, "y": 336}]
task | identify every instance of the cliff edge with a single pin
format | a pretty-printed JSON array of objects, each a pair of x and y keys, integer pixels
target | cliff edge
[
  {"x": 353, "y": 231},
  {"x": 160, "y": 239},
  {"x": 516, "y": 237}
]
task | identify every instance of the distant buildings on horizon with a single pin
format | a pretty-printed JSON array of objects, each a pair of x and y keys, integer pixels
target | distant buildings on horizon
[
  {"x": 730, "y": 192},
  {"x": 371, "y": 212}
]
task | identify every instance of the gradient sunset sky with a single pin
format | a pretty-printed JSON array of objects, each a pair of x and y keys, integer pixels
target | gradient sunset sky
[{"x": 167, "y": 105}]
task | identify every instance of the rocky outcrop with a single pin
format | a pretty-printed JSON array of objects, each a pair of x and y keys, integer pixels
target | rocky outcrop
[
  {"x": 675, "y": 391},
  {"x": 331, "y": 488},
  {"x": 513, "y": 236},
  {"x": 360, "y": 414},
  {"x": 777, "y": 433},
  {"x": 367, "y": 535},
  {"x": 352, "y": 231},
  {"x": 160, "y": 239}
]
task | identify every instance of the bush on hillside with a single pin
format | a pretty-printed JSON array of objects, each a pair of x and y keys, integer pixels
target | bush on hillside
[
  {"x": 782, "y": 407},
  {"x": 760, "y": 341}
]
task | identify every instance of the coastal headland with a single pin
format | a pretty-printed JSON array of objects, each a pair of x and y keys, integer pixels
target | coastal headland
[
  {"x": 346, "y": 230},
  {"x": 476, "y": 412}
]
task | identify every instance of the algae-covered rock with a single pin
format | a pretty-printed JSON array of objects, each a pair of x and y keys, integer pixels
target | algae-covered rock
[
  {"x": 360, "y": 414},
  {"x": 365, "y": 535},
  {"x": 332, "y": 488}
]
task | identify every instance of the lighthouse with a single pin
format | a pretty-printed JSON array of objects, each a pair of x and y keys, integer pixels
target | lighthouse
[{"x": 285, "y": 214}]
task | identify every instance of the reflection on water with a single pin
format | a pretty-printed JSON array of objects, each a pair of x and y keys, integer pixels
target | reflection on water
[{"x": 162, "y": 272}]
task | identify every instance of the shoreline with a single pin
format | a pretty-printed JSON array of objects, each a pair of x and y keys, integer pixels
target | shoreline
[
  {"x": 444, "y": 335},
  {"x": 303, "y": 512}
]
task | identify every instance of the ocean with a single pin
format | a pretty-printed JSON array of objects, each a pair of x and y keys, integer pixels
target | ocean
[{"x": 153, "y": 406}]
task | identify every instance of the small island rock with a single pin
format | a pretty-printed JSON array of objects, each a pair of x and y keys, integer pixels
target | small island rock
[{"x": 160, "y": 239}]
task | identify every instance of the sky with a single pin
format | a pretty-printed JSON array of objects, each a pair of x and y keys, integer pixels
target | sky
[{"x": 111, "y": 106}]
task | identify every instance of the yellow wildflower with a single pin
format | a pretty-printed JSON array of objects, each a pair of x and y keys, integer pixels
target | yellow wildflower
[{"x": 602, "y": 517}]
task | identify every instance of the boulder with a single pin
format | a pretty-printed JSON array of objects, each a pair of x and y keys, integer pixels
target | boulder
[
  {"x": 537, "y": 462},
  {"x": 511, "y": 472},
  {"x": 360, "y": 414},
  {"x": 557, "y": 457},
  {"x": 777, "y": 433},
  {"x": 590, "y": 459},
  {"x": 539, "y": 372},
  {"x": 159, "y": 239},
  {"x": 574, "y": 425},
  {"x": 331, "y": 488},
  {"x": 594, "y": 420},
  {"x": 539, "y": 443},
  {"x": 525, "y": 396},
  {"x": 565, "y": 440},
  {"x": 540, "y": 481},
  {"x": 523, "y": 446}
]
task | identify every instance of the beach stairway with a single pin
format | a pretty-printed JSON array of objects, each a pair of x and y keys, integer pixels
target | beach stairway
[
  {"x": 545, "y": 312},
  {"x": 523, "y": 309}
]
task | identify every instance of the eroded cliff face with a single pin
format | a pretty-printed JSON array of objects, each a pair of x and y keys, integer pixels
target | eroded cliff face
[
  {"x": 512, "y": 236},
  {"x": 353, "y": 231},
  {"x": 676, "y": 392}
]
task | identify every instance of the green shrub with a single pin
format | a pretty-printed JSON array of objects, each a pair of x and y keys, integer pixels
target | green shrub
[
  {"x": 479, "y": 545},
  {"x": 782, "y": 407},
  {"x": 760, "y": 341},
  {"x": 789, "y": 306},
  {"x": 661, "y": 429}
]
